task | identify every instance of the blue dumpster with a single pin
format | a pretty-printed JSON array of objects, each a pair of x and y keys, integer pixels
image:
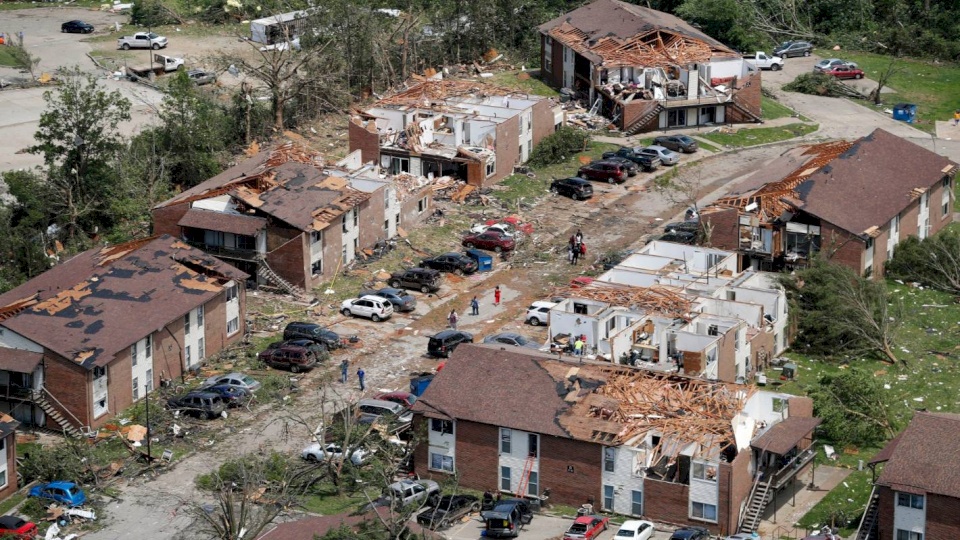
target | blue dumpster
[
  {"x": 905, "y": 112},
  {"x": 484, "y": 261},
  {"x": 419, "y": 384}
]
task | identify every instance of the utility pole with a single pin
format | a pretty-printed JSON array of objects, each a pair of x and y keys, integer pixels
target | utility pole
[{"x": 149, "y": 435}]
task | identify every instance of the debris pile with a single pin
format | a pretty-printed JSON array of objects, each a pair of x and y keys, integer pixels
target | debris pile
[{"x": 659, "y": 299}]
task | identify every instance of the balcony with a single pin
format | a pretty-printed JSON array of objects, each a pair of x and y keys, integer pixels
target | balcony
[{"x": 225, "y": 252}]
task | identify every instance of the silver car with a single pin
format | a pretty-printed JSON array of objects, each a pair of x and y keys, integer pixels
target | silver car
[
  {"x": 667, "y": 157},
  {"x": 239, "y": 380},
  {"x": 829, "y": 63}
]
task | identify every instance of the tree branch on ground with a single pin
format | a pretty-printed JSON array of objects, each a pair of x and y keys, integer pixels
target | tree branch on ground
[
  {"x": 933, "y": 261},
  {"x": 21, "y": 57}
]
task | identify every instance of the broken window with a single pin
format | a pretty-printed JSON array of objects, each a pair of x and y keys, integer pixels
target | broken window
[
  {"x": 704, "y": 471},
  {"x": 636, "y": 505},
  {"x": 910, "y": 500},
  {"x": 580, "y": 309},
  {"x": 317, "y": 268},
  {"x": 441, "y": 426},
  {"x": 343, "y": 223},
  {"x": 422, "y": 205},
  {"x": 713, "y": 330},
  {"x": 609, "y": 459},
  {"x": 133, "y": 354},
  {"x": 533, "y": 444},
  {"x": 491, "y": 165},
  {"x": 148, "y": 349},
  {"x": 149, "y": 381},
  {"x": 316, "y": 237},
  {"x": 779, "y": 405}
]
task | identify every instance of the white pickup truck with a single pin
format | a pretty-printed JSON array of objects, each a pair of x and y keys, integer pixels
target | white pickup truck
[
  {"x": 762, "y": 60},
  {"x": 142, "y": 40}
]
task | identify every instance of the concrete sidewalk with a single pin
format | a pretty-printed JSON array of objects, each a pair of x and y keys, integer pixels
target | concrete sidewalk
[{"x": 795, "y": 501}]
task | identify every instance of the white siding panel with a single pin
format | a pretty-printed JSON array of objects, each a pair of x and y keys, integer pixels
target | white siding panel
[{"x": 626, "y": 477}]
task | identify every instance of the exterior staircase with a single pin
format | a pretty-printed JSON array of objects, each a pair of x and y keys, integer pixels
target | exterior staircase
[
  {"x": 638, "y": 124},
  {"x": 868, "y": 525},
  {"x": 70, "y": 426},
  {"x": 759, "y": 499},
  {"x": 755, "y": 117},
  {"x": 264, "y": 271}
]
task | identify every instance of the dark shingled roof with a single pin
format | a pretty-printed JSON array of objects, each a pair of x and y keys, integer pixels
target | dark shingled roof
[
  {"x": 19, "y": 360},
  {"x": 7, "y": 425},
  {"x": 98, "y": 303},
  {"x": 922, "y": 459},
  {"x": 223, "y": 222},
  {"x": 783, "y": 436}
]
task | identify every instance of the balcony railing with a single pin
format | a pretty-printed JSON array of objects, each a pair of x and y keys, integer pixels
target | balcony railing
[
  {"x": 792, "y": 467},
  {"x": 225, "y": 252}
]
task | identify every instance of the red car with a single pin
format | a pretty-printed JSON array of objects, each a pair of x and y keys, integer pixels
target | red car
[
  {"x": 404, "y": 398},
  {"x": 14, "y": 527},
  {"x": 586, "y": 528},
  {"x": 844, "y": 72},
  {"x": 607, "y": 171},
  {"x": 490, "y": 240}
]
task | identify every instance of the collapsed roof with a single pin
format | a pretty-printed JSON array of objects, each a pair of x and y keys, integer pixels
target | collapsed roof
[{"x": 612, "y": 33}]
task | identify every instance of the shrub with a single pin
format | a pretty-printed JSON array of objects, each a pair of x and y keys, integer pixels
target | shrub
[{"x": 556, "y": 147}]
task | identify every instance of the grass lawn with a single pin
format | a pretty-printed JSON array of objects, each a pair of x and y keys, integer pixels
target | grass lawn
[
  {"x": 773, "y": 109},
  {"x": 532, "y": 85},
  {"x": 708, "y": 146},
  {"x": 932, "y": 87},
  {"x": 755, "y": 136},
  {"x": 6, "y": 59}
]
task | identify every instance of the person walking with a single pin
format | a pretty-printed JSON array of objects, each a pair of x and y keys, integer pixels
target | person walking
[
  {"x": 579, "y": 236},
  {"x": 496, "y": 296},
  {"x": 344, "y": 366},
  {"x": 474, "y": 306},
  {"x": 956, "y": 117},
  {"x": 453, "y": 318},
  {"x": 360, "y": 375},
  {"x": 575, "y": 256}
]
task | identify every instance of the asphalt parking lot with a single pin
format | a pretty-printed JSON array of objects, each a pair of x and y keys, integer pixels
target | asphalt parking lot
[{"x": 543, "y": 527}]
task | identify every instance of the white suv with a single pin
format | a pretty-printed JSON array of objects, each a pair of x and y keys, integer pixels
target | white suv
[
  {"x": 371, "y": 307},
  {"x": 539, "y": 312}
]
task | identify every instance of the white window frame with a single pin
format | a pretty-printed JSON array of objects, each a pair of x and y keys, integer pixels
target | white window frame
[
  {"x": 235, "y": 324},
  {"x": 186, "y": 324},
  {"x": 633, "y": 503},
  {"x": 445, "y": 426},
  {"x": 506, "y": 441},
  {"x": 607, "y": 502},
  {"x": 912, "y": 500},
  {"x": 491, "y": 166},
  {"x": 609, "y": 459},
  {"x": 445, "y": 461},
  {"x": 505, "y": 479},
  {"x": 699, "y": 471},
  {"x": 423, "y": 204},
  {"x": 199, "y": 316},
  {"x": 136, "y": 389},
  {"x": 702, "y": 514}
]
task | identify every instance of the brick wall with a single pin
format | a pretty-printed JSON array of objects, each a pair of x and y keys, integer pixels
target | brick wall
[
  {"x": 942, "y": 517},
  {"x": 291, "y": 261},
  {"x": 507, "y": 147},
  {"x": 666, "y": 501},
  {"x": 634, "y": 110},
  {"x": 410, "y": 214},
  {"x": 725, "y": 232},
  {"x": 69, "y": 383},
  {"x": 735, "y": 483},
  {"x": 168, "y": 352},
  {"x": 846, "y": 249},
  {"x": 761, "y": 344},
  {"x": 361, "y": 138},
  {"x": 119, "y": 387},
  {"x": 554, "y": 77},
  {"x": 477, "y": 456},
  {"x": 165, "y": 219},
  {"x": 215, "y": 337},
  {"x": 542, "y": 120},
  {"x": 727, "y": 357},
  {"x": 747, "y": 96},
  {"x": 10, "y": 443},
  {"x": 557, "y": 457},
  {"x": 371, "y": 219},
  {"x": 885, "y": 513}
]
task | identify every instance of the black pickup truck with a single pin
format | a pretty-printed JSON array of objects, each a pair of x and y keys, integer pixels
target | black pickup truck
[{"x": 647, "y": 162}]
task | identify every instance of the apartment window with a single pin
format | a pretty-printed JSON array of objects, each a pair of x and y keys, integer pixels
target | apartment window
[
  {"x": 908, "y": 535},
  {"x": 231, "y": 293},
  {"x": 441, "y": 426},
  {"x": 910, "y": 500},
  {"x": 200, "y": 316},
  {"x": 149, "y": 381},
  {"x": 533, "y": 484},
  {"x": 386, "y": 226},
  {"x": 704, "y": 511},
  {"x": 3, "y": 478},
  {"x": 505, "y": 478},
  {"x": 399, "y": 165},
  {"x": 676, "y": 118},
  {"x": 440, "y": 462},
  {"x": 386, "y": 199},
  {"x": 233, "y": 326},
  {"x": 608, "y": 498},
  {"x": 609, "y": 459},
  {"x": 149, "y": 347},
  {"x": 491, "y": 166},
  {"x": 316, "y": 237},
  {"x": 636, "y": 503},
  {"x": 505, "y": 445},
  {"x": 99, "y": 371},
  {"x": 188, "y": 353},
  {"x": 186, "y": 324},
  {"x": 779, "y": 405},
  {"x": 317, "y": 268},
  {"x": 422, "y": 205},
  {"x": 548, "y": 54},
  {"x": 945, "y": 197},
  {"x": 356, "y": 217},
  {"x": 736, "y": 344},
  {"x": 343, "y": 223},
  {"x": 136, "y": 389},
  {"x": 133, "y": 354},
  {"x": 704, "y": 471},
  {"x": 245, "y": 242},
  {"x": 533, "y": 445},
  {"x": 201, "y": 350},
  {"x": 713, "y": 330}
]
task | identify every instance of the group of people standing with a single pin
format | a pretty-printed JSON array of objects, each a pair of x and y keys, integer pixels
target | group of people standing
[
  {"x": 453, "y": 318},
  {"x": 576, "y": 248}
]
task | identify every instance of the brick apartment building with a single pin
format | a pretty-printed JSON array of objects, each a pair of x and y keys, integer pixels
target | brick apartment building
[
  {"x": 8, "y": 455},
  {"x": 469, "y": 130},
  {"x": 852, "y": 201},
  {"x": 650, "y": 70},
  {"x": 92, "y": 335},
  {"x": 916, "y": 497},
  {"x": 290, "y": 219},
  {"x": 530, "y": 424}
]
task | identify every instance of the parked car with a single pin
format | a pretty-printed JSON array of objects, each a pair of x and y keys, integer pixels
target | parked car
[
  {"x": 446, "y": 342},
  {"x": 66, "y": 493},
  {"x": 678, "y": 237},
  {"x": 677, "y": 143},
  {"x": 690, "y": 533},
  {"x": 314, "y": 332},
  {"x": 246, "y": 382},
  {"x": 830, "y": 63},
  {"x": 14, "y": 527},
  {"x": 667, "y": 157},
  {"x": 586, "y": 528},
  {"x": 407, "y": 493},
  {"x": 632, "y": 168},
  {"x": 635, "y": 529},
  {"x": 490, "y": 240},
  {"x": 334, "y": 452},
  {"x": 513, "y": 339},
  {"x": 844, "y": 72},
  {"x": 201, "y": 77},
  {"x": 401, "y": 299},
  {"x": 686, "y": 226},
  {"x": 453, "y": 262},
  {"x": 76, "y": 27},
  {"x": 744, "y": 536},
  {"x": 505, "y": 228},
  {"x": 373, "y": 410},
  {"x": 649, "y": 163},
  {"x": 448, "y": 509},
  {"x": 372, "y": 307},
  {"x": 318, "y": 350},
  {"x": 539, "y": 312},
  {"x": 403, "y": 398},
  {"x": 788, "y": 49},
  {"x": 289, "y": 357},
  {"x": 577, "y": 189},
  {"x": 233, "y": 396},
  {"x": 422, "y": 279},
  {"x": 507, "y": 518},
  {"x": 202, "y": 404},
  {"x": 606, "y": 171}
]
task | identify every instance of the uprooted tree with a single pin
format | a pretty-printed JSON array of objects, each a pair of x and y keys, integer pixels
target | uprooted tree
[
  {"x": 853, "y": 407},
  {"x": 933, "y": 261},
  {"x": 838, "y": 312}
]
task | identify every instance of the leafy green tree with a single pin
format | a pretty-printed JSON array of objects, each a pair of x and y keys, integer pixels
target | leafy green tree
[
  {"x": 558, "y": 146},
  {"x": 22, "y": 58},
  {"x": 839, "y": 312},
  {"x": 853, "y": 407},
  {"x": 79, "y": 139},
  {"x": 933, "y": 261}
]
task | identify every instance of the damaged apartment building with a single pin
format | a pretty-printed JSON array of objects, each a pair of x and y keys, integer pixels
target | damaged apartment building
[
  {"x": 86, "y": 339},
  {"x": 292, "y": 220},
  {"x": 852, "y": 201},
  {"x": 675, "y": 308},
  {"x": 648, "y": 70},
  {"x": 468, "y": 130},
  {"x": 660, "y": 446}
]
